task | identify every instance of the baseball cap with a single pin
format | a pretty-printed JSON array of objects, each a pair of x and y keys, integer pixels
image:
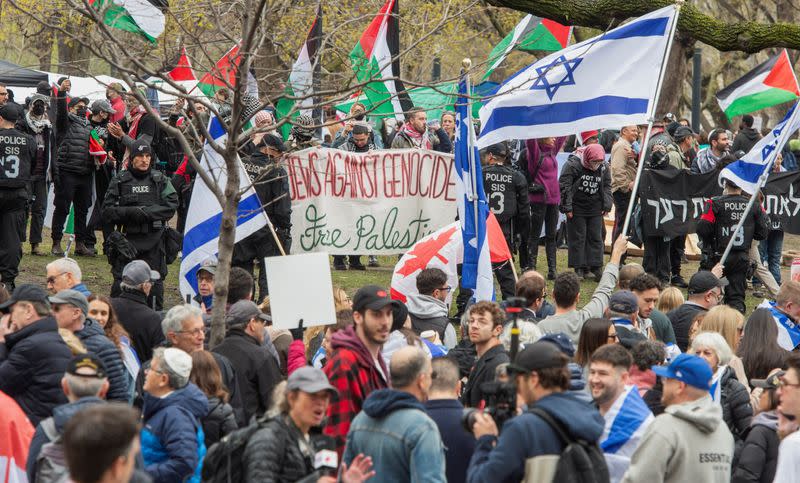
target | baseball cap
[
  {"x": 539, "y": 355},
  {"x": 27, "y": 292},
  {"x": 9, "y": 112},
  {"x": 76, "y": 100},
  {"x": 138, "y": 272},
  {"x": 624, "y": 302},
  {"x": 682, "y": 132},
  {"x": 86, "y": 365},
  {"x": 687, "y": 368},
  {"x": 562, "y": 341},
  {"x": 498, "y": 149},
  {"x": 179, "y": 361},
  {"x": 140, "y": 146},
  {"x": 703, "y": 281},
  {"x": 242, "y": 311},
  {"x": 587, "y": 135},
  {"x": 309, "y": 379},
  {"x": 209, "y": 265},
  {"x": 272, "y": 141},
  {"x": 71, "y": 297},
  {"x": 371, "y": 297},
  {"x": 102, "y": 105},
  {"x": 773, "y": 381}
]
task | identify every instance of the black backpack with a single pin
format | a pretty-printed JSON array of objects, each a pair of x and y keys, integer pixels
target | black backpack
[
  {"x": 224, "y": 462},
  {"x": 580, "y": 461}
]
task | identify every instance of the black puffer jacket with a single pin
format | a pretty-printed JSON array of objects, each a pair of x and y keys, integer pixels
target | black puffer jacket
[
  {"x": 757, "y": 459},
  {"x": 97, "y": 343},
  {"x": 219, "y": 421},
  {"x": 72, "y": 139},
  {"x": 736, "y": 410},
  {"x": 273, "y": 454}
]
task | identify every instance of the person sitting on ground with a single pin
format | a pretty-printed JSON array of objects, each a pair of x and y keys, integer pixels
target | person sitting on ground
[
  {"x": 63, "y": 273},
  {"x": 428, "y": 309},
  {"x": 628, "y": 272}
]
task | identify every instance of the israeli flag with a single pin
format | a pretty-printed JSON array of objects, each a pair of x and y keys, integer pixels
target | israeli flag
[
  {"x": 204, "y": 218},
  {"x": 477, "y": 269},
  {"x": 626, "y": 423},
  {"x": 603, "y": 82},
  {"x": 745, "y": 173},
  {"x": 788, "y": 331},
  {"x": 716, "y": 388}
]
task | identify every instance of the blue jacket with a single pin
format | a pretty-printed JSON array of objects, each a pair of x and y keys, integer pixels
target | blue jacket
[
  {"x": 458, "y": 443},
  {"x": 173, "y": 445},
  {"x": 82, "y": 288},
  {"x": 401, "y": 438},
  {"x": 96, "y": 342},
  {"x": 527, "y": 437}
]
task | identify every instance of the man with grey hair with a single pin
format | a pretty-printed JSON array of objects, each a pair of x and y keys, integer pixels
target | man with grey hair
[
  {"x": 85, "y": 384},
  {"x": 394, "y": 429},
  {"x": 139, "y": 320},
  {"x": 70, "y": 309},
  {"x": 172, "y": 445},
  {"x": 65, "y": 273}
]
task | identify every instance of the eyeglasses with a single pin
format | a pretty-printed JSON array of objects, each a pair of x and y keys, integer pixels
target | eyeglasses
[
  {"x": 612, "y": 336},
  {"x": 52, "y": 280},
  {"x": 194, "y": 332},
  {"x": 787, "y": 384},
  {"x": 446, "y": 288}
]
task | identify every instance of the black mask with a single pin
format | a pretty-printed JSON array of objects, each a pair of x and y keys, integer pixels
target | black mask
[
  {"x": 360, "y": 117},
  {"x": 37, "y": 109},
  {"x": 80, "y": 112}
]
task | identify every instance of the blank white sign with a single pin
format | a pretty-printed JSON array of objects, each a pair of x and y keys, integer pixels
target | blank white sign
[{"x": 300, "y": 287}]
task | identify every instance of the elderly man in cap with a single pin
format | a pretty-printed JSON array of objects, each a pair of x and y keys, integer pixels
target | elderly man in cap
[
  {"x": 139, "y": 202},
  {"x": 271, "y": 182},
  {"x": 71, "y": 310},
  {"x": 85, "y": 384},
  {"x": 18, "y": 150},
  {"x": 205, "y": 283},
  {"x": 257, "y": 371},
  {"x": 705, "y": 292},
  {"x": 28, "y": 334},
  {"x": 623, "y": 310},
  {"x": 141, "y": 322},
  {"x": 690, "y": 441}
]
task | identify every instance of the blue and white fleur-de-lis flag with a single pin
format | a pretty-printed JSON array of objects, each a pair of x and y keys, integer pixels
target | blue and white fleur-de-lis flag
[
  {"x": 607, "y": 81},
  {"x": 204, "y": 218}
]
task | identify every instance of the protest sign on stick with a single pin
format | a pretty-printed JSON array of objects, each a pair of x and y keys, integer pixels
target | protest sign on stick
[{"x": 291, "y": 279}]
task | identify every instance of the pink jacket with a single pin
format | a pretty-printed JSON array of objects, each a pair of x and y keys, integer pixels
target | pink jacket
[{"x": 296, "y": 358}]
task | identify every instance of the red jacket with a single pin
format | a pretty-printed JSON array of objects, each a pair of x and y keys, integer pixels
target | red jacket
[
  {"x": 296, "y": 357},
  {"x": 16, "y": 433},
  {"x": 352, "y": 371}
]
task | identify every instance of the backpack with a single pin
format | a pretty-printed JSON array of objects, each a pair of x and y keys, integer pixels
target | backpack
[
  {"x": 51, "y": 464},
  {"x": 580, "y": 461},
  {"x": 224, "y": 461}
]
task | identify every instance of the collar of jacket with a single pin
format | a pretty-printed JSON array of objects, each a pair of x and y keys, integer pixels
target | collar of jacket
[{"x": 45, "y": 324}]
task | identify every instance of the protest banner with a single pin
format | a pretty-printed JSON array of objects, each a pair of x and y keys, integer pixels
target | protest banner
[
  {"x": 374, "y": 203},
  {"x": 291, "y": 278}
]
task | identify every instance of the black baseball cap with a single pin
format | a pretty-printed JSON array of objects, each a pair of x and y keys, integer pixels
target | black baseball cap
[
  {"x": 773, "y": 381},
  {"x": 140, "y": 146},
  {"x": 272, "y": 141},
  {"x": 86, "y": 365},
  {"x": 9, "y": 112},
  {"x": 681, "y": 132},
  {"x": 539, "y": 355},
  {"x": 27, "y": 292},
  {"x": 76, "y": 100},
  {"x": 498, "y": 149},
  {"x": 371, "y": 297},
  {"x": 703, "y": 281}
]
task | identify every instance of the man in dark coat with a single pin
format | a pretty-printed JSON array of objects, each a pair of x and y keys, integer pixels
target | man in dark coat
[
  {"x": 33, "y": 356},
  {"x": 139, "y": 320},
  {"x": 486, "y": 321}
]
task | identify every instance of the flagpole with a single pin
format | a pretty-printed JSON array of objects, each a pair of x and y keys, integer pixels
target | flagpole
[
  {"x": 650, "y": 120},
  {"x": 467, "y": 63}
]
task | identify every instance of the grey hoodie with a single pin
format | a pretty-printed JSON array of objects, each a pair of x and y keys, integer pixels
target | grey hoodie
[
  {"x": 689, "y": 442},
  {"x": 427, "y": 307}
]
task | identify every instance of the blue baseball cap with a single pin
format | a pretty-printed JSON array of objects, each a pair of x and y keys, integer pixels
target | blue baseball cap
[{"x": 689, "y": 369}]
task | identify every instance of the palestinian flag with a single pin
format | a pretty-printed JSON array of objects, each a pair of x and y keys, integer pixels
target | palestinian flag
[
  {"x": 143, "y": 17},
  {"x": 304, "y": 77},
  {"x": 769, "y": 84},
  {"x": 531, "y": 33},
  {"x": 375, "y": 59},
  {"x": 96, "y": 147},
  {"x": 182, "y": 69},
  {"x": 225, "y": 70}
]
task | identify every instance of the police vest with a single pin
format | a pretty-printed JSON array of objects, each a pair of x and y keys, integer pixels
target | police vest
[
  {"x": 16, "y": 149},
  {"x": 727, "y": 211},
  {"x": 140, "y": 192},
  {"x": 498, "y": 182}
]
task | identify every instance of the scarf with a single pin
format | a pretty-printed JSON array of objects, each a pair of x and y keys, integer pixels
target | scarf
[
  {"x": 37, "y": 125},
  {"x": 136, "y": 116},
  {"x": 594, "y": 152},
  {"x": 418, "y": 139}
]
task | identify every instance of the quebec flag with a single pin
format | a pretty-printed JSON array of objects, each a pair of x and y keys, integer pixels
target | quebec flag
[
  {"x": 603, "y": 82},
  {"x": 204, "y": 218},
  {"x": 745, "y": 173}
]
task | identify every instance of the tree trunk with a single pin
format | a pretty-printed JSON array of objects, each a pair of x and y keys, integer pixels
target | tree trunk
[{"x": 677, "y": 71}]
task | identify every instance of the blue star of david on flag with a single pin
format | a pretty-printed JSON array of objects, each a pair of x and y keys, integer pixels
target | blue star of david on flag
[{"x": 569, "y": 67}]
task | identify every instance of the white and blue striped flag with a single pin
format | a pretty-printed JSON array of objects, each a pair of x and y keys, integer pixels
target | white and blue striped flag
[
  {"x": 716, "y": 387},
  {"x": 746, "y": 172},
  {"x": 626, "y": 422},
  {"x": 477, "y": 269},
  {"x": 204, "y": 219},
  {"x": 788, "y": 331},
  {"x": 604, "y": 82}
]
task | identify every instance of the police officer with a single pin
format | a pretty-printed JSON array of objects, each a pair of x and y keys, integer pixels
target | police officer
[
  {"x": 271, "y": 183},
  {"x": 717, "y": 227},
  {"x": 507, "y": 194},
  {"x": 17, "y": 152},
  {"x": 139, "y": 202}
]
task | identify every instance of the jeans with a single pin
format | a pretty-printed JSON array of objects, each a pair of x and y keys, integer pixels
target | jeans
[
  {"x": 770, "y": 251},
  {"x": 547, "y": 215}
]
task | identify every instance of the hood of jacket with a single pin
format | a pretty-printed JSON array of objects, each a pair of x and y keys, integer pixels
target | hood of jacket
[
  {"x": 384, "y": 401},
  {"x": 426, "y": 307},
  {"x": 190, "y": 398},
  {"x": 702, "y": 413},
  {"x": 750, "y": 133},
  {"x": 576, "y": 382},
  {"x": 580, "y": 418},
  {"x": 768, "y": 419},
  {"x": 348, "y": 339},
  {"x": 64, "y": 413}
]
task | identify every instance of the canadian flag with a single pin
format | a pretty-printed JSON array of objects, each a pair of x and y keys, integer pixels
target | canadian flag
[{"x": 442, "y": 249}]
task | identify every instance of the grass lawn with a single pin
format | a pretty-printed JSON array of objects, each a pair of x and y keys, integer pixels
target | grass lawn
[{"x": 97, "y": 272}]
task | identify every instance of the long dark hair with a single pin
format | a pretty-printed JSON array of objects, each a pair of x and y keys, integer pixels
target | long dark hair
[
  {"x": 207, "y": 376},
  {"x": 593, "y": 335},
  {"x": 113, "y": 328},
  {"x": 759, "y": 349}
]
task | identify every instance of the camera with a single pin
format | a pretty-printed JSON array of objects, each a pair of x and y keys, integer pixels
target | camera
[{"x": 501, "y": 404}]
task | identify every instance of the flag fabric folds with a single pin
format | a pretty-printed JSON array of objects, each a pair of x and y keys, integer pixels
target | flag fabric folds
[
  {"x": 143, "y": 17},
  {"x": 204, "y": 218},
  {"x": 788, "y": 331},
  {"x": 625, "y": 423},
  {"x": 531, "y": 33},
  {"x": 604, "y": 82},
  {"x": 224, "y": 71},
  {"x": 771, "y": 83},
  {"x": 745, "y": 172}
]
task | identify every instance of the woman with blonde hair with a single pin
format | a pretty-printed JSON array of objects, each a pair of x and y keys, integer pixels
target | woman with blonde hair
[
  {"x": 671, "y": 298},
  {"x": 729, "y": 323}
]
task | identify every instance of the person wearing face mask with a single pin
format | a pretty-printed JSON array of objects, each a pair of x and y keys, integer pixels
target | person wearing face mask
[
  {"x": 73, "y": 185},
  {"x": 102, "y": 111},
  {"x": 139, "y": 202},
  {"x": 36, "y": 123}
]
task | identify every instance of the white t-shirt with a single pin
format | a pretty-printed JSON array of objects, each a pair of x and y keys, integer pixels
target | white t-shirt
[{"x": 788, "y": 469}]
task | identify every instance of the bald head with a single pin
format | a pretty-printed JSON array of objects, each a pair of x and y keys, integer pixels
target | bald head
[
  {"x": 627, "y": 273},
  {"x": 407, "y": 365}
]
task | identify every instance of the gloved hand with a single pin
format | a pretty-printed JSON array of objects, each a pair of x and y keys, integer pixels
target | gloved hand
[{"x": 297, "y": 334}]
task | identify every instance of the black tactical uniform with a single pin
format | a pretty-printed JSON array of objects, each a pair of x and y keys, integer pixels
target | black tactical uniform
[
  {"x": 140, "y": 204},
  {"x": 716, "y": 228},
  {"x": 271, "y": 183},
  {"x": 17, "y": 152}
]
